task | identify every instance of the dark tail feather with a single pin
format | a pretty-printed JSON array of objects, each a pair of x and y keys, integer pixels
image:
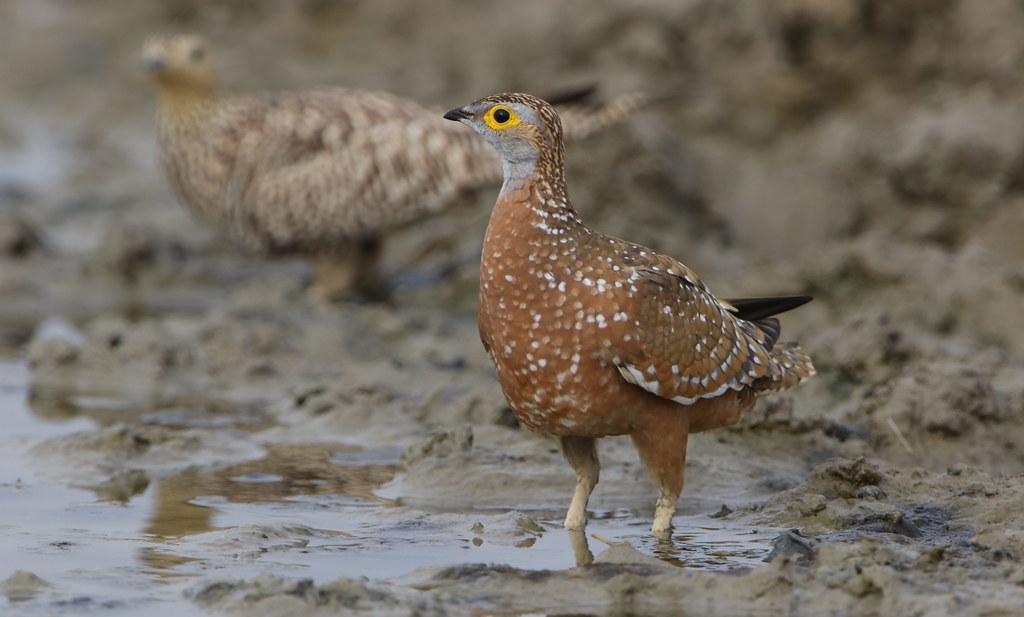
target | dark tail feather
[
  {"x": 577, "y": 95},
  {"x": 771, "y": 328},
  {"x": 760, "y": 311},
  {"x": 756, "y": 309}
]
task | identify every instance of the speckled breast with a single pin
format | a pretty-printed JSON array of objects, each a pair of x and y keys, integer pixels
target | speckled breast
[{"x": 549, "y": 317}]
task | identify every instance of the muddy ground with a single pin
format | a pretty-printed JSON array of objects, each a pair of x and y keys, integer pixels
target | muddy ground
[{"x": 187, "y": 432}]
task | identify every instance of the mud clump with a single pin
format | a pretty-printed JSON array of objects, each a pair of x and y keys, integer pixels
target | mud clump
[
  {"x": 275, "y": 596},
  {"x": 922, "y": 415},
  {"x": 22, "y": 585},
  {"x": 845, "y": 479}
]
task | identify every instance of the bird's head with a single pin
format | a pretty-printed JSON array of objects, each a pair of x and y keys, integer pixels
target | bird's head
[
  {"x": 522, "y": 128},
  {"x": 178, "y": 62}
]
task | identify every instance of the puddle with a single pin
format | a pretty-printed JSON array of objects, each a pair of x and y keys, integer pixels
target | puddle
[
  {"x": 138, "y": 542},
  {"x": 84, "y": 549}
]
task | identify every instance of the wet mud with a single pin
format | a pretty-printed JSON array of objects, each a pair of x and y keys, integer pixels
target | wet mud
[{"x": 186, "y": 431}]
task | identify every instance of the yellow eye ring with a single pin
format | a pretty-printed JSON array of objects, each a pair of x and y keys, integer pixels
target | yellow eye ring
[{"x": 500, "y": 117}]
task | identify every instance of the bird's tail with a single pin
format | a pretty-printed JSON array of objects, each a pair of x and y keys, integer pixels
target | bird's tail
[
  {"x": 789, "y": 367},
  {"x": 582, "y": 117}
]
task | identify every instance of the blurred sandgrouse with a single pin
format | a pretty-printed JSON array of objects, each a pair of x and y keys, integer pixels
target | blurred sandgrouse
[
  {"x": 323, "y": 172},
  {"x": 593, "y": 336}
]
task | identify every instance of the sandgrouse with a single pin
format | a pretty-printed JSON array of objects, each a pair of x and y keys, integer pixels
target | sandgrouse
[
  {"x": 322, "y": 172},
  {"x": 594, "y": 336}
]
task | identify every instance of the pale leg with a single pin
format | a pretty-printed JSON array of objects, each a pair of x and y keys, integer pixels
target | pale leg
[
  {"x": 664, "y": 510},
  {"x": 581, "y": 454}
]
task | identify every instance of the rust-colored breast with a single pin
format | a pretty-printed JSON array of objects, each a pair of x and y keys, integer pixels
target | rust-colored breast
[{"x": 542, "y": 317}]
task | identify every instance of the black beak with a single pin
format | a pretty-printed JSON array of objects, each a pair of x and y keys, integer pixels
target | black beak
[{"x": 458, "y": 114}]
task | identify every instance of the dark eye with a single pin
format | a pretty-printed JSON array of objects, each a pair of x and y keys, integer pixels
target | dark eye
[
  {"x": 501, "y": 116},
  {"x": 196, "y": 54}
]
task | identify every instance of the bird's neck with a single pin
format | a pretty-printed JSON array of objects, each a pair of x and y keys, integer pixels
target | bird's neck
[
  {"x": 186, "y": 104},
  {"x": 535, "y": 208}
]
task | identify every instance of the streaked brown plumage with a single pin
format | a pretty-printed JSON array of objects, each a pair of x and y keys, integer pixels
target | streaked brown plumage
[
  {"x": 594, "y": 336},
  {"x": 320, "y": 172}
]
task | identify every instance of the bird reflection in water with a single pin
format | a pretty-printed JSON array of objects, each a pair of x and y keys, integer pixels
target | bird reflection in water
[{"x": 286, "y": 471}]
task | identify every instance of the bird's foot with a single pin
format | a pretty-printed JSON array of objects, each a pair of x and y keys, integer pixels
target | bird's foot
[
  {"x": 662, "y": 533},
  {"x": 576, "y": 520},
  {"x": 662, "y": 527}
]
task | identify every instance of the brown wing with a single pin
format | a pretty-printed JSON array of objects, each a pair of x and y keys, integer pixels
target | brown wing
[
  {"x": 689, "y": 344},
  {"x": 327, "y": 164}
]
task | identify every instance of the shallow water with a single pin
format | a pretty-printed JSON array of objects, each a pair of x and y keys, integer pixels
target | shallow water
[
  {"x": 85, "y": 548},
  {"x": 300, "y": 511}
]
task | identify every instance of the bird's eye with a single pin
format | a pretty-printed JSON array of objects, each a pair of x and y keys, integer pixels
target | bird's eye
[
  {"x": 500, "y": 117},
  {"x": 196, "y": 54}
]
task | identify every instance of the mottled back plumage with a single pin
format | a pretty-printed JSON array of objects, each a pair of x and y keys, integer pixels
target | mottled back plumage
[
  {"x": 309, "y": 172},
  {"x": 592, "y": 335}
]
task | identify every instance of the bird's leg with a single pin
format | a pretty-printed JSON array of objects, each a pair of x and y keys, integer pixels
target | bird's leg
[
  {"x": 581, "y": 454},
  {"x": 350, "y": 264},
  {"x": 662, "y": 447},
  {"x": 664, "y": 510},
  {"x": 369, "y": 280},
  {"x": 335, "y": 271}
]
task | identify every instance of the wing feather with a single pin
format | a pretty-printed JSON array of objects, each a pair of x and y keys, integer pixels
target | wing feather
[{"x": 689, "y": 344}]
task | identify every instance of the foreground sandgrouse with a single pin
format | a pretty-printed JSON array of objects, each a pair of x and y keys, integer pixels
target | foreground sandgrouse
[
  {"x": 593, "y": 336},
  {"x": 321, "y": 172}
]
